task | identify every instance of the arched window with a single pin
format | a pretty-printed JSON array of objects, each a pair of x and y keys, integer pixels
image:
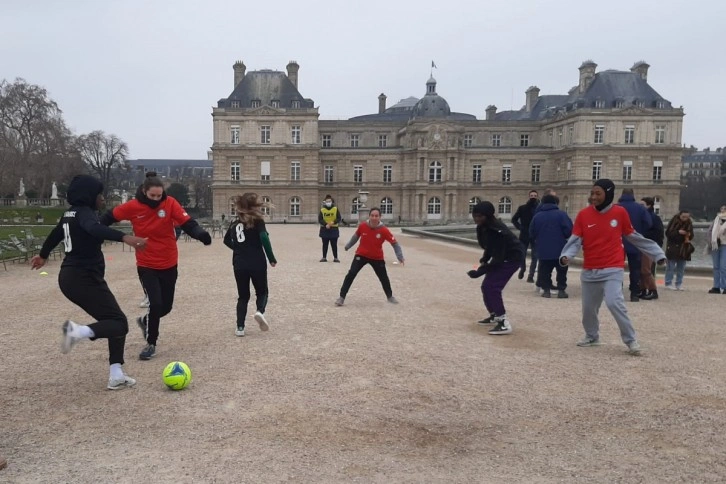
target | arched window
[
  {"x": 656, "y": 205},
  {"x": 266, "y": 205},
  {"x": 473, "y": 201},
  {"x": 505, "y": 206},
  {"x": 295, "y": 207},
  {"x": 355, "y": 205},
  {"x": 435, "y": 172},
  {"x": 434, "y": 206},
  {"x": 386, "y": 206}
]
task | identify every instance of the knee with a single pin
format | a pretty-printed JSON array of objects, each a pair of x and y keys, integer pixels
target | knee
[{"x": 125, "y": 325}]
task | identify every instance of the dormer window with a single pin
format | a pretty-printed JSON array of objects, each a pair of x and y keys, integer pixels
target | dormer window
[
  {"x": 295, "y": 105},
  {"x": 275, "y": 103},
  {"x": 619, "y": 103},
  {"x": 256, "y": 103},
  {"x": 640, "y": 104},
  {"x": 235, "y": 104},
  {"x": 599, "y": 104},
  {"x": 661, "y": 105}
]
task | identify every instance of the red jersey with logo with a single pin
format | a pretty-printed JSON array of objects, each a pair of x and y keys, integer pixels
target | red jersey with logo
[
  {"x": 602, "y": 236},
  {"x": 156, "y": 224},
  {"x": 371, "y": 240}
]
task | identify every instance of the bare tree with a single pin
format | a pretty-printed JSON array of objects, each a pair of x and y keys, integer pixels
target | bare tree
[{"x": 102, "y": 154}]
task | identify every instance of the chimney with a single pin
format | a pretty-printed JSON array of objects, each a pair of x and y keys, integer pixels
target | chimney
[
  {"x": 381, "y": 103},
  {"x": 239, "y": 72},
  {"x": 641, "y": 68},
  {"x": 532, "y": 96},
  {"x": 491, "y": 111},
  {"x": 292, "y": 68},
  {"x": 587, "y": 73}
]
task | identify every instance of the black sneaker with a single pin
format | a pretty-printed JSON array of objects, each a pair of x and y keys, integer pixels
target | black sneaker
[
  {"x": 649, "y": 296},
  {"x": 148, "y": 352},
  {"x": 634, "y": 297},
  {"x": 714, "y": 290},
  {"x": 144, "y": 327},
  {"x": 561, "y": 294},
  {"x": 502, "y": 327},
  {"x": 323, "y": 260},
  {"x": 530, "y": 278},
  {"x": 546, "y": 293},
  {"x": 489, "y": 320},
  {"x": 521, "y": 274}
]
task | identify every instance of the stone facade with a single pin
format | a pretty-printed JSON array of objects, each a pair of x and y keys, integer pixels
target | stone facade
[{"x": 422, "y": 163}]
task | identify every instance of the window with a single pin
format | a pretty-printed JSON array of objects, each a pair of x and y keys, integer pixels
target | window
[
  {"x": 295, "y": 171},
  {"x": 386, "y": 206},
  {"x": 275, "y": 103},
  {"x": 295, "y": 105},
  {"x": 656, "y": 205},
  {"x": 505, "y": 205},
  {"x": 266, "y": 204},
  {"x": 235, "y": 104},
  {"x": 476, "y": 174},
  {"x": 256, "y": 103},
  {"x": 523, "y": 140},
  {"x": 435, "y": 172},
  {"x": 355, "y": 205},
  {"x": 536, "y": 172},
  {"x": 496, "y": 140},
  {"x": 234, "y": 135},
  {"x": 434, "y": 206},
  {"x": 265, "y": 134},
  {"x": 619, "y": 103},
  {"x": 506, "y": 174},
  {"x": 569, "y": 170},
  {"x": 571, "y": 134},
  {"x": 559, "y": 142},
  {"x": 234, "y": 171},
  {"x": 599, "y": 104},
  {"x": 358, "y": 174},
  {"x": 599, "y": 134},
  {"x": 640, "y": 104},
  {"x": 233, "y": 207},
  {"x": 472, "y": 203},
  {"x": 657, "y": 171},
  {"x": 387, "y": 174},
  {"x": 627, "y": 170},
  {"x": 468, "y": 140},
  {"x": 661, "y": 105},
  {"x": 354, "y": 140},
  {"x": 382, "y": 140},
  {"x": 659, "y": 134},
  {"x": 328, "y": 176},
  {"x": 327, "y": 140},
  {"x": 296, "y": 134},
  {"x": 596, "y": 170},
  {"x": 265, "y": 171},
  {"x": 629, "y": 134},
  {"x": 295, "y": 207}
]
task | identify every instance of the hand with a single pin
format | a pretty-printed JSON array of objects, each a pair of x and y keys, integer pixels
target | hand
[
  {"x": 661, "y": 262},
  {"x": 37, "y": 262},
  {"x": 273, "y": 264},
  {"x": 137, "y": 243},
  {"x": 327, "y": 226},
  {"x": 564, "y": 261},
  {"x": 346, "y": 248},
  {"x": 205, "y": 238},
  {"x": 682, "y": 232},
  {"x": 476, "y": 273}
]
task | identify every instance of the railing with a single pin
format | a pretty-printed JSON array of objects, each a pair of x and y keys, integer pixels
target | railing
[{"x": 34, "y": 202}]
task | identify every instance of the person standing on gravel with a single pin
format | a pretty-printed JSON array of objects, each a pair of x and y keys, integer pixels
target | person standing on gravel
[
  {"x": 549, "y": 231},
  {"x": 329, "y": 218},
  {"x": 372, "y": 233},
  {"x": 503, "y": 254},
  {"x": 599, "y": 230}
]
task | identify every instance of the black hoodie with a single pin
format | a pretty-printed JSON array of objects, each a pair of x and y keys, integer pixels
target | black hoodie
[{"x": 79, "y": 228}]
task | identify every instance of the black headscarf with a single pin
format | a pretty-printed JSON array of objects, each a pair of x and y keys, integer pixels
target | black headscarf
[
  {"x": 609, "y": 187},
  {"x": 83, "y": 191},
  {"x": 484, "y": 208}
]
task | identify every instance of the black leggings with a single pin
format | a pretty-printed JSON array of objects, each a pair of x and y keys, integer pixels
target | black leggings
[
  {"x": 379, "y": 267},
  {"x": 259, "y": 280},
  {"x": 88, "y": 290},
  {"x": 333, "y": 245},
  {"x": 159, "y": 286}
]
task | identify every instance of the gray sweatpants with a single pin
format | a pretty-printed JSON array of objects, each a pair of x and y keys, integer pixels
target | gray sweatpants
[{"x": 607, "y": 283}]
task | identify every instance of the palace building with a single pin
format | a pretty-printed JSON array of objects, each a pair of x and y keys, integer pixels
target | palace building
[{"x": 421, "y": 162}]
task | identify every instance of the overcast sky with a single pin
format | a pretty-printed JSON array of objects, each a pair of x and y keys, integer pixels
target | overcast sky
[{"x": 150, "y": 72}]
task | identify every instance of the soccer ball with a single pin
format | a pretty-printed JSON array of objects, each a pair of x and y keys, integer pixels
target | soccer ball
[{"x": 177, "y": 375}]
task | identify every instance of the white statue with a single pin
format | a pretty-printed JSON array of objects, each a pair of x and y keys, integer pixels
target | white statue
[
  {"x": 124, "y": 196},
  {"x": 21, "y": 193},
  {"x": 54, "y": 192}
]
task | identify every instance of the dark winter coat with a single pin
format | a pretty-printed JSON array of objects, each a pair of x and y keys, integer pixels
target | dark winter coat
[
  {"x": 550, "y": 229},
  {"x": 656, "y": 232},
  {"x": 523, "y": 217},
  {"x": 499, "y": 243},
  {"x": 675, "y": 240},
  {"x": 639, "y": 217}
]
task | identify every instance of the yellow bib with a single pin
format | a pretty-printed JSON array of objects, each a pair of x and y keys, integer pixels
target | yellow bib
[{"x": 329, "y": 215}]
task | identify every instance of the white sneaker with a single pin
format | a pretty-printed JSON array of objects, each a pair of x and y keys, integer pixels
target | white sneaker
[
  {"x": 144, "y": 303},
  {"x": 239, "y": 332},
  {"x": 634, "y": 348},
  {"x": 71, "y": 336},
  {"x": 680, "y": 288},
  {"x": 125, "y": 382},
  {"x": 670, "y": 287},
  {"x": 260, "y": 318},
  {"x": 340, "y": 301}
]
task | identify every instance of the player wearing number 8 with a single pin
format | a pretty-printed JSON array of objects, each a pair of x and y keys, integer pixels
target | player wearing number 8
[{"x": 250, "y": 243}]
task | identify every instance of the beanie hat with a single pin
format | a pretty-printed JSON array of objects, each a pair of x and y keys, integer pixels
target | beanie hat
[{"x": 484, "y": 208}]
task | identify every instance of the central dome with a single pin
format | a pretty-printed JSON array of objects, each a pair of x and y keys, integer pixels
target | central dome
[{"x": 431, "y": 105}]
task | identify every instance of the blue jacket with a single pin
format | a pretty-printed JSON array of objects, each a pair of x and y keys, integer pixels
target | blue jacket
[
  {"x": 639, "y": 217},
  {"x": 550, "y": 229}
]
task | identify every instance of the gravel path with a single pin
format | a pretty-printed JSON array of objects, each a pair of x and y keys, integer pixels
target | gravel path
[{"x": 367, "y": 392}]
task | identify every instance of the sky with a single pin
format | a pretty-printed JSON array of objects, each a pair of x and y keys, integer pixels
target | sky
[{"x": 151, "y": 72}]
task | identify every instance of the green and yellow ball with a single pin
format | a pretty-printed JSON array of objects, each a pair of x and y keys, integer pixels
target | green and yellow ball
[{"x": 177, "y": 375}]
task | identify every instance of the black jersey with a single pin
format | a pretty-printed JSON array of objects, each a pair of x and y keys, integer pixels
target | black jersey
[{"x": 246, "y": 245}]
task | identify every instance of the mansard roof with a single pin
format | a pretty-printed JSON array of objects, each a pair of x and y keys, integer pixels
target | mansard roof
[{"x": 265, "y": 86}]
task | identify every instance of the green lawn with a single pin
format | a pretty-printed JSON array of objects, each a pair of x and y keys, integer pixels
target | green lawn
[{"x": 26, "y": 215}]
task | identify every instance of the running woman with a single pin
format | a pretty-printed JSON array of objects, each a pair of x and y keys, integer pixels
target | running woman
[
  {"x": 153, "y": 215},
  {"x": 81, "y": 277},
  {"x": 250, "y": 243},
  {"x": 372, "y": 234},
  {"x": 600, "y": 229}
]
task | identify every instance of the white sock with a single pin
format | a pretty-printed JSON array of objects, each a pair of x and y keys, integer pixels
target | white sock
[
  {"x": 85, "y": 331},
  {"x": 116, "y": 371}
]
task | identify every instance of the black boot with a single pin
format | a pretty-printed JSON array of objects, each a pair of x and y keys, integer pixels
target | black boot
[
  {"x": 634, "y": 297},
  {"x": 650, "y": 295}
]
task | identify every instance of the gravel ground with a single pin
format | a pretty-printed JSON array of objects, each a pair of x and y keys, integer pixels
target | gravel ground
[{"x": 367, "y": 392}]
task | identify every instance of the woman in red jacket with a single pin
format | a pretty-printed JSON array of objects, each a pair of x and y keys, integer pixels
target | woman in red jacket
[
  {"x": 155, "y": 214},
  {"x": 372, "y": 234}
]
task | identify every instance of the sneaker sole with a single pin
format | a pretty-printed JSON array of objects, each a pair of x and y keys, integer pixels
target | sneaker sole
[
  {"x": 239, "y": 334},
  {"x": 498, "y": 333},
  {"x": 66, "y": 343},
  {"x": 588, "y": 345},
  {"x": 122, "y": 386},
  {"x": 261, "y": 321}
]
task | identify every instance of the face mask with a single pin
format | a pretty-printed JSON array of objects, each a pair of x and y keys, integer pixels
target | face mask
[{"x": 328, "y": 204}]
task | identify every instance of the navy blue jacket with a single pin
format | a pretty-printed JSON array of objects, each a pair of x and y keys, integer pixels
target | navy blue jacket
[
  {"x": 550, "y": 229},
  {"x": 639, "y": 217}
]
